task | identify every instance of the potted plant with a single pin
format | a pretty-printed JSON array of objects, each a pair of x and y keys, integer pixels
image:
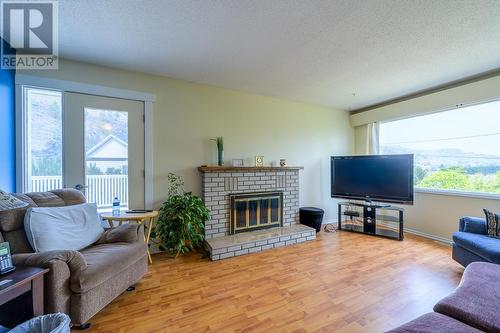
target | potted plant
[
  {"x": 220, "y": 150},
  {"x": 180, "y": 226}
]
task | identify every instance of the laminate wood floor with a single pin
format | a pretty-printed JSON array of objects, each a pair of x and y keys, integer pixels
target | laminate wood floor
[{"x": 342, "y": 282}]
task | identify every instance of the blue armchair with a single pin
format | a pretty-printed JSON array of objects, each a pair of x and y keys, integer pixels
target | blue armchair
[{"x": 472, "y": 243}]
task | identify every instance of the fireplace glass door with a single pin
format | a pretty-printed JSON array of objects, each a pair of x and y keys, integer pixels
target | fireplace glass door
[{"x": 256, "y": 211}]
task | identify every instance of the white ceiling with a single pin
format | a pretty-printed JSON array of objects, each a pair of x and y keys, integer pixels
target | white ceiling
[{"x": 314, "y": 51}]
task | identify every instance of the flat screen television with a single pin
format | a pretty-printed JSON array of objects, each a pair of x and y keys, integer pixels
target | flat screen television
[{"x": 385, "y": 178}]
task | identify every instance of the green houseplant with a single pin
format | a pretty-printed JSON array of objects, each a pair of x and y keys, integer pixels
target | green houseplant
[{"x": 180, "y": 224}]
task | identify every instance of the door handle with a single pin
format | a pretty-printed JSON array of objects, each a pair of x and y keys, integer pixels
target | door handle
[{"x": 80, "y": 187}]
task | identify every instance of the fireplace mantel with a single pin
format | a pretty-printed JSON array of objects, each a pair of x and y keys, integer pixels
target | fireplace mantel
[{"x": 216, "y": 168}]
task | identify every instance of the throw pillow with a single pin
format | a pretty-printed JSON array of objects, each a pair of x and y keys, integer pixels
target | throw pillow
[
  {"x": 62, "y": 228},
  {"x": 492, "y": 221},
  {"x": 497, "y": 217},
  {"x": 8, "y": 201}
]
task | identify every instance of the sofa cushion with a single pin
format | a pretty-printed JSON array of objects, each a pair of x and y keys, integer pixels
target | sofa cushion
[
  {"x": 474, "y": 225},
  {"x": 62, "y": 228},
  {"x": 434, "y": 322},
  {"x": 69, "y": 197},
  {"x": 481, "y": 245},
  {"x": 476, "y": 300},
  {"x": 18, "y": 241},
  {"x": 12, "y": 221},
  {"x": 85, "y": 305},
  {"x": 105, "y": 262},
  {"x": 464, "y": 257}
]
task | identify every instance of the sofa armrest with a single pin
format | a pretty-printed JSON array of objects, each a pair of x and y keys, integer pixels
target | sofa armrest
[
  {"x": 125, "y": 233},
  {"x": 475, "y": 300},
  {"x": 475, "y": 225},
  {"x": 62, "y": 265},
  {"x": 73, "y": 259}
]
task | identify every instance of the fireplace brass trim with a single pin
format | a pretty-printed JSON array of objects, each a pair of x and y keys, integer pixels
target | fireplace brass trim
[{"x": 248, "y": 197}]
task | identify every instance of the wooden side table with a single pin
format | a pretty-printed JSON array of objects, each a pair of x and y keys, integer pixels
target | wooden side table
[
  {"x": 20, "y": 281},
  {"x": 147, "y": 219}
]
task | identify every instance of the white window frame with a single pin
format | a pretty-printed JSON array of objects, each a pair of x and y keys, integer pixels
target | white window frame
[
  {"x": 445, "y": 192},
  {"x": 456, "y": 193},
  {"x": 22, "y": 159}
]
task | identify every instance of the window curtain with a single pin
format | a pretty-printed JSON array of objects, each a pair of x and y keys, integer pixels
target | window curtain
[{"x": 372, "y": 138}]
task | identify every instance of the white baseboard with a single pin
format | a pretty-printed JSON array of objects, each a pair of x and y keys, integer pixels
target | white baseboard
[
  {"x": 430, "y": 236},
  {"x": 421, "y": 234}
]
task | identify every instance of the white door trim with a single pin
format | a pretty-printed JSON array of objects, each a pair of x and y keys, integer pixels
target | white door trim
[
  {"x": 148, "y": 154},
  {"x": 83, "y": 88},
  {"x": 20, "y": 139},
  {"x": 91, "y": 89}
]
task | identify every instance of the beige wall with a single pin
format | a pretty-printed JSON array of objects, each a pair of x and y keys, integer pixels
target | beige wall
[
  {"x": 466, "y": 94},
  {"x": 434, "y": 214},
  {"x": 187, "y": 115},
  {"x": 360, "y": 136},
  {"x": 438, "y": 215}
]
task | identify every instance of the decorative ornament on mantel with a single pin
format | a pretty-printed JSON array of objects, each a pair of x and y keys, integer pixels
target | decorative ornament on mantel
[
  {"x": 259, "y": 161},
  {"x": 215, "y": 168},
  {"x": 220, "y": 150},
  {"x": 238, "y": 162}
]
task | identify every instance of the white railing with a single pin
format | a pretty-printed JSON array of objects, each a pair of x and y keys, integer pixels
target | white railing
[
  {"x": 101, "y": 188},
  {"x": 45, "y": 183}
]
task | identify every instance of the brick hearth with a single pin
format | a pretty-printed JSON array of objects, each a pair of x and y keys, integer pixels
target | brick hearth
[{"x": 260, "y": 240}]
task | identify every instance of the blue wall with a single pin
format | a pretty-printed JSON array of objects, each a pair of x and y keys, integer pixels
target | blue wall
[{"x": 7, "y": 131}]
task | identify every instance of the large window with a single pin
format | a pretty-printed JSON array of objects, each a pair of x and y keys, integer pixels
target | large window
[{"x": 457, "y": 150}]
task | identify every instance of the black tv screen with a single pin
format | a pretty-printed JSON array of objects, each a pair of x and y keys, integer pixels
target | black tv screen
[{"x": 386, "y": 178}]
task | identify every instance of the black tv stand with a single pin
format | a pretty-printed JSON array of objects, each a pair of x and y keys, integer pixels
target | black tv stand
[
  {"x": 366, "y": 218},
  {"x": 371, "y": 204}
]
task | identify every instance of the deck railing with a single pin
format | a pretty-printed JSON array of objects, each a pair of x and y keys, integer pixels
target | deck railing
[
  {"x": 45, "y": 183},
  {"x": 101, "y": 188}
]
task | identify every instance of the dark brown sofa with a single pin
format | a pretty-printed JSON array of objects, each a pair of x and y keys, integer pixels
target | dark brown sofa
[{"x": 80, "y": 283}]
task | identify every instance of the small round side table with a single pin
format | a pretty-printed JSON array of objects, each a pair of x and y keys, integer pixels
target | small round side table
[{"x": 147, "y": 219}]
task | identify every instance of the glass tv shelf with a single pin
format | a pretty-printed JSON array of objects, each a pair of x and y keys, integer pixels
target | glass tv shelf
[{"x": 378, "y": 220}]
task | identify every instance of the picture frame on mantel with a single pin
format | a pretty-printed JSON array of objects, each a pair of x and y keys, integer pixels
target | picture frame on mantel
[{"x": 238, "y": 162}]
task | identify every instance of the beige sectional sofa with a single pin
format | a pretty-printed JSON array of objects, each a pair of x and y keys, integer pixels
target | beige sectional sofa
[{"x": 80, "y": 283}]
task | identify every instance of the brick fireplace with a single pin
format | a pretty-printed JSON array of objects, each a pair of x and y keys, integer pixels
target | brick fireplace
[{"x": 250, "y": 206}]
